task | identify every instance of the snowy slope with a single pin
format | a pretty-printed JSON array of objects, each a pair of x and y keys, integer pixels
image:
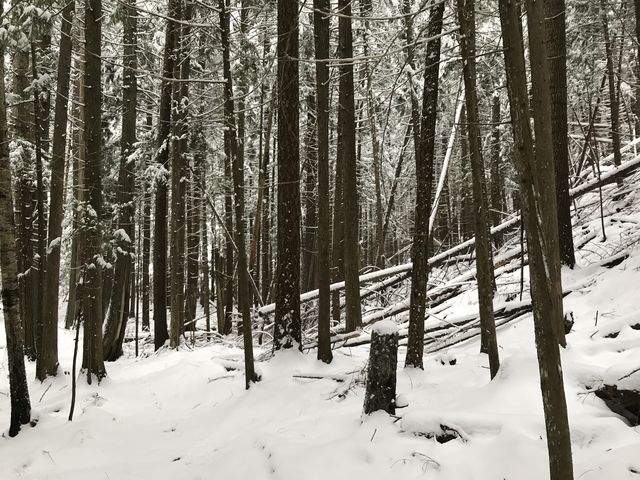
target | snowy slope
[{"x": 186, "y": 415}]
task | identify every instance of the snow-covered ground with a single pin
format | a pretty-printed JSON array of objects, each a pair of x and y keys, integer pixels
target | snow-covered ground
[{"x": 186, "y": 414}]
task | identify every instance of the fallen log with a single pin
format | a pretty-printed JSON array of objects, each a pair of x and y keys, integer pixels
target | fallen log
[
  {"x": 606, "y": 178},
  {"x": 443, "y": 293},
  {"x": 503, "y": 314}
]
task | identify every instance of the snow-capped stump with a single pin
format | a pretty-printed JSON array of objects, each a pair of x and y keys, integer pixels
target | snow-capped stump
[{"x": 381, "y": 373}]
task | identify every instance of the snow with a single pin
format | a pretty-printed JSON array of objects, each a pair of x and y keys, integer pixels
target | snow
[
  {"x": 186, "y": 414},
  {"x": 121, "y": 236},
  {"x": 55, "y": 243},
  {"x": 385, "y": 327}
]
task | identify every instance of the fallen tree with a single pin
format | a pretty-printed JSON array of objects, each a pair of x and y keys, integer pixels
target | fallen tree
[{"x": 402, "y": 271}]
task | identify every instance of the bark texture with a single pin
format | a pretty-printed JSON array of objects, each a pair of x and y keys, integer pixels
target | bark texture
[
  {"x": 348, "y": 161},
  {"x": 484, "y": 261},
  {"x": 424, "y": 186},
  {"x": 160, "y": 229},
  {"x": 545, "y": 291},
  {"x": 557, "y": 51},
  {"x": 381, "y": 373},
  {"x": 322, "y": 38},
  {"x": 287, "y": 330},
  {"x": 118, "y": 310},
  {"x": 18, "y": 389},
  {"x": 49, "y": 361},
  {"x": 92, "y": 261}
]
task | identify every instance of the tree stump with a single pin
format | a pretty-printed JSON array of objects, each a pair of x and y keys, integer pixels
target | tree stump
[{"x": 381, "y": 374}]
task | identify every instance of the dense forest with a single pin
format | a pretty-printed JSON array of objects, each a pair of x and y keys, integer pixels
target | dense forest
[{"x": 310, "y": 176}]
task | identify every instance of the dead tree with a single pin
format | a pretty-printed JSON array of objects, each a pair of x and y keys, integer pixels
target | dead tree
[{"x": 381, "y": 372}]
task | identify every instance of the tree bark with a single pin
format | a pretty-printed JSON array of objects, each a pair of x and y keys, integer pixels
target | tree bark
[
  {"x": 25, "y": 180},
  {"x": 309, "y": 255},
  {"x": 484, "y": 262},
  {"x": 322, "y": 39},
  {"x": 636, "y": 103},
  {"x": 545, "y": 291},
  {"x": 288, "y": 328},
  {"x": 376, "y": 247},
  {"x": 118, "y": 311},
  {"x": 18, "y": 389},
  {"x": 78, "y": 163},
  {"x": 92, "y": 312},
  {"x": 542, "y": 111},
  {"x": 497, "y": 183},
  {"x": 381, "y": 371},
  {"x": 347, "y": 152},
  {"x": 160, "y": 247},
  {"x": 49, "y": 361},
  {"x": 424, "y": 185},
  {"x": 44, "y": 345},
  {"x": 614, "y": 103},
  {"x": 557, "y": 50},
  {"x": 178, "y": 175},
  {"x": 238, "y": 197}
]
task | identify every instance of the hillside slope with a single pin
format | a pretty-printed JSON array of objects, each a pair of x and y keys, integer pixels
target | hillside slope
[{"x": 186, "y": 415}]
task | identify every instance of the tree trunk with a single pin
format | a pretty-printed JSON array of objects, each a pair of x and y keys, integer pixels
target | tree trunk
[
  {"x": 44, "y": 345},
  {"x": 238, "y": 190},
  {"x": 18, "y": 389},
  {"x": 160, "y": 247},
  {"x": 497, "y": 183},
  {"x": 546, "y": 292},
  {"x": 322, "y": 39},
  {"x": 192, "y": 254},
  {"x": 265, "y": 261},
  {"x": 614, "y": 103},
  {"x": 415, "y": 106},
  {"x": 347, "y": 151},
  {"x": 228, "y": 199},
  {"x": 25, "y": 179},
  {"x": 192, "y": 212},
  {"x": 337, "y": 238},
  {"x": 424, "y": 184},
  {"x": 78, "y": 155},
  {"x": 394, "y": 187},
  {"x": 118, "y": 311},
  {"x": 146, "y": 257},
  {"x": 179, "y": 175},
  {"x": 92, "y": 313},
  {"x": 207, "y": 292},
  {"x": 309, "y": 256},
  {"x": 636, "y": 103},
  {"x": 197, "y": 239},
  {"x": 557, "y": 50},
  {"x": 376, "y": 247},
  {"x": 381, "y": 371},
  {"x": 484, "y": 261},
  {"x": 542, "y": 111},
  {"x": 257, "y": 243},
  {"x": 49, "y": 363},
  {"x": 288, "y": 329}
]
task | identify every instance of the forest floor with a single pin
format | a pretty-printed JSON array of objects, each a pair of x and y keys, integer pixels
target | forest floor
[{"x": 186, "y": 414}]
